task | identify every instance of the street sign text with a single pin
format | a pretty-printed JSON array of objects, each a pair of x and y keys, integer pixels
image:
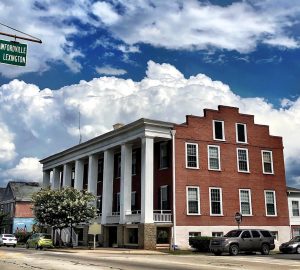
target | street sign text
[{"x": 13, "y": 53}]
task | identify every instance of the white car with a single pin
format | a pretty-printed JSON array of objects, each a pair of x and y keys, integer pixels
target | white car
[{"x": 8, "y": 240}]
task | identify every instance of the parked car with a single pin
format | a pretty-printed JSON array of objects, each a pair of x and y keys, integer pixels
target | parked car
[
  {"x": 292, "y": 246},
  {"x": 243, "y": 240},
  {"x": 39, "y": 241},
  {"x": 8, "y": 240}
]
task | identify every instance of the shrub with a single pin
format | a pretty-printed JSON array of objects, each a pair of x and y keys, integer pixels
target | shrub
[
  {"x": 22, "y": 237},
  {"x": 200, "y": 243}
]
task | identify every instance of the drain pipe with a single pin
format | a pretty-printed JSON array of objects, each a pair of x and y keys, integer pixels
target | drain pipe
[{"x": 173, "y": 132}]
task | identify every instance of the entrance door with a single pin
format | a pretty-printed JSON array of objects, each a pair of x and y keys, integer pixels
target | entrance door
[{"x": 112, "y": 236}]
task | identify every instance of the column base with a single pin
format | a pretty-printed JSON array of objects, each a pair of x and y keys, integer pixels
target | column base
[{"x": 147, "y": 236}]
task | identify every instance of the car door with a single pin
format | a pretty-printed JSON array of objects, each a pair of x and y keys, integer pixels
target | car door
[
  {"x": 256, "y": 238},
  {"x": 246, "y": 241}
]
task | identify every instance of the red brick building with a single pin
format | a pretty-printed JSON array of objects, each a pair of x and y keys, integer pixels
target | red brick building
[{"x": 218, "y": 164}]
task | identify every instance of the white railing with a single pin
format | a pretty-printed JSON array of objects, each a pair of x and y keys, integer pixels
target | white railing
[
  {"x": 113, "y": 218},
  {"x": 162, "y": 216},
  {"x": 133, "y": 216}
]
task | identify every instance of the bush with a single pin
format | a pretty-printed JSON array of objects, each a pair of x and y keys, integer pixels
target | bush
[
  {"x": 22, "y": 237},
  {"x": 200, "y": 243}
]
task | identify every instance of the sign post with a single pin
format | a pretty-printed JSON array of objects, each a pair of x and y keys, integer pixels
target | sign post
[
  {"x": 238, "y": 218},
  {"x": 94, "y": 229},
  {"x": 13, "y": 53}
]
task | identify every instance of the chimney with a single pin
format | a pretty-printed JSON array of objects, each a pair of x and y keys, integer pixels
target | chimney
[{"x": 118, "y": 125}]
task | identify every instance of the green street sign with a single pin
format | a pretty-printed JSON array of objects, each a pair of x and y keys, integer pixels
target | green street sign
[{"x": 13, "y": 53}]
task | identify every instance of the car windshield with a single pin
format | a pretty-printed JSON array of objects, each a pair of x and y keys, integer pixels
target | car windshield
[
  {"x": 234, "y": 233},
  {"x": 295, "y": 239},
  {"x": 47, "y": 236},
  {"x": 8, "y": 235}
]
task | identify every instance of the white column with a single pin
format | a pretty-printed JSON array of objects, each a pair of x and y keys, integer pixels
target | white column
[
  {"x": 107, "y": 191},
  {"x": 93, "y": 174},
  {"x": 147, "y": 180},
  {"x": 67, "y": 175},
  {"x": 79, "y": 167},
  {"x": 46, "y": 179},
  {"x": 125, "y": 188},
  {"x": 55, "y": 178}
]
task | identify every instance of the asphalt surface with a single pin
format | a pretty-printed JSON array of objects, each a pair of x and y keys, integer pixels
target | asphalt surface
[{"x": 117, "y": 259}]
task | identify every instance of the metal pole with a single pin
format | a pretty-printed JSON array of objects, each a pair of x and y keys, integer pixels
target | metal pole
[
  {"x": 173, "y": 132},
  {"x": 19, "y": 37}
]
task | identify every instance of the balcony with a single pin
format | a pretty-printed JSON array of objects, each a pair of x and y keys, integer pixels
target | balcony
[
  {"x": 162, "y": 216},
  {"x": 133, "y": 216},
  {"x": 114, "y": 218}
]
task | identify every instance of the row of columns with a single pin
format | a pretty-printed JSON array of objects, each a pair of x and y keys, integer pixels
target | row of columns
[{"x": 147, "y": 144}]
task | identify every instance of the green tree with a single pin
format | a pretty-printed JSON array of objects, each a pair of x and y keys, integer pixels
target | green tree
[{"x": 63, "y": 208}]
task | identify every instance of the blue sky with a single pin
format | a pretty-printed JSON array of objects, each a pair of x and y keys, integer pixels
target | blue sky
[{"x": 239, "y": 53}]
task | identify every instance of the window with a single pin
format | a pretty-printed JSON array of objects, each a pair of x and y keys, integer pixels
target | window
[
  {"x": 133, "y": 204},
  {"x": 193, "y": 201},
  {"x": 119, "y": 167},
  {"x": 265, "y": 233},
  {"x": 194, "y": 234},
  {"x": 214, "y": 157},
  {"x": 242, "y": 160},
  {"x": 295, "y": 208},
  {"x": 218, "y": 129},
  {"x": 217, "y": 234},
  {"x": 118, "y": 202},
  {"x": 100, "y": 170},
  {"x": 99, "y": 204},
  {"x": 255, "y": 234},
  {"x": 296, "y": 232},
  {"x": 163, "y": 156},
  {"x": 267, "y": 161},
  {"x": 275, "y": 235},
  {"x": 245, "y": 202},
  {"x": 246, "y": 234},
  {"x": 133, "y": 171},
  {"x": 191, "y": 155},
  {"x": 241, "y": 133},
  {"x": 270, "y": 202},
  {"x": 215, "y": 197},
  {"x": 164, "y": 203}
]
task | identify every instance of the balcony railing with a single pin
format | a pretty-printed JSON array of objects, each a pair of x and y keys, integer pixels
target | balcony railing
[
  {"x": 162, "y": 216},
  {"x": 133, "y": 216},
  {"x": 113, "y": 218}
]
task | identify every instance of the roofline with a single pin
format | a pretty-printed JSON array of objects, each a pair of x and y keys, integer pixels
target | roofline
[{"x": 112, "y": 133}]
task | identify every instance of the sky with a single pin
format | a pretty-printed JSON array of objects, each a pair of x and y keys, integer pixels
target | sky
[{"x": 121, "y": 60}]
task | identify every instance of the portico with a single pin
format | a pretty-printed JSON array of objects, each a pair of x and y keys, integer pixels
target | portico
[{"x": 80, "y": 164}]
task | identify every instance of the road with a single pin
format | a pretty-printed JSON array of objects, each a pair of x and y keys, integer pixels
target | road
[{"x": 109, "y": 259}]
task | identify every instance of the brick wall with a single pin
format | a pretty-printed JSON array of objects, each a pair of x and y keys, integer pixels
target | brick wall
[
  {"x": 199, "y": 130},
  {"x": 23, "y": 209}
]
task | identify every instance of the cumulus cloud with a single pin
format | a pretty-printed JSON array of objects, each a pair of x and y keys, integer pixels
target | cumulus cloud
[
  {"x": 7, "y": 147},
  {"x": 42, "y": 122},
  {"x": 108, "y": 70}
]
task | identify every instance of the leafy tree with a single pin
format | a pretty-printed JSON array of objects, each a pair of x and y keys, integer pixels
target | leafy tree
[{"x": 63, "y": 208}]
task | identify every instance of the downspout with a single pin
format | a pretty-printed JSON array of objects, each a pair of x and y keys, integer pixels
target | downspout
[{"x": 173, "y": 132}]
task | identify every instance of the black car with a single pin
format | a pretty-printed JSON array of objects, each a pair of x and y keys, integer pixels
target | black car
[{"x": 292, "y": 246}]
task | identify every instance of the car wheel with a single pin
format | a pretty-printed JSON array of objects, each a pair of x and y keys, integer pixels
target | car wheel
[
  {"x": 218, "y": 253},
  {"x": 27, "y": 246},
  {"x": 298, "y": 250},
  {"x": 234, "y": 250},
  {"x": 265, "y": 249}
]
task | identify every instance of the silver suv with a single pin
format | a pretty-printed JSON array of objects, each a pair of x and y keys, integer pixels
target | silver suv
[{"x": 247, "y": 240}]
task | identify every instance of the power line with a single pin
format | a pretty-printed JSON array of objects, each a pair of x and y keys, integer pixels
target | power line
[{"x": 32, "y": 38}]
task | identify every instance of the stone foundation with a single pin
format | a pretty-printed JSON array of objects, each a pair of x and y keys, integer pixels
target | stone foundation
[{"x": 147, "y": 236}]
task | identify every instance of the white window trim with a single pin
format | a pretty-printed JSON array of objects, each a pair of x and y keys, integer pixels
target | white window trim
[
  {"x": 262, "y": 161},
  {"x": 237, "y": 160},
  {"x": 134, "y": 154},
  {"x": 187, "y": 201},
  {"x": 223, "y": 130},
  {"x": 219, "y": 157},
  {"x": 161, "y": 187},
  {"x": 160, "y": 157},
  {"x": 275, "y": 204},
  {"x": 221, "y": 201},
  {"x": 118, "y": 201},
  {"x": 236, "y": 133},
  {"x": 250, "y": 201},
  {"x": 295, "y": 200},
  {"x": 186, "y": 156}
]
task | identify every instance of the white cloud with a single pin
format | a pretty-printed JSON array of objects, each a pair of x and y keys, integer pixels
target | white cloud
[
  {"x": 46, "y": 121},
  {"x": 7, "y": 147},
  {"x": 105, "y": 12},
  {"x": 108, "y": 70}
]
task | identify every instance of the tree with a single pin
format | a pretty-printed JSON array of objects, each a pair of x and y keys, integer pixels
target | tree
[{"x": 63, "y": 208}]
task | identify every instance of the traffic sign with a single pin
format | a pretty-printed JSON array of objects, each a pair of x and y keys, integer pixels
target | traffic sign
[
  {"x": 238, "y": 217},
  {"x": 13, "y": 53}
]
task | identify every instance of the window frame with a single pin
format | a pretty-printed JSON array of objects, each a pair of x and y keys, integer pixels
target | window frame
[
  {"x": 219, "y": 157},
  {"x": 275, "y": 204},
  {"x": 262, "y": 160},
  {"x": 161, "y": 199},
  {"x": 133, "y": 164},
  {"x": 133, "y": 197},
  {"x": 221, "y": 201},
  {"x": 223, "y": 131},
  {"x": 186, "y": 156},
  {"x": 237, "y": 159},
  {"x": 293, "y": 208},
  {"x": 161, "y": 145},
  {"x": 237, "y": 134},
  {"x": 250, "y": 201},
  {"x": 198, "y": 201}
]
